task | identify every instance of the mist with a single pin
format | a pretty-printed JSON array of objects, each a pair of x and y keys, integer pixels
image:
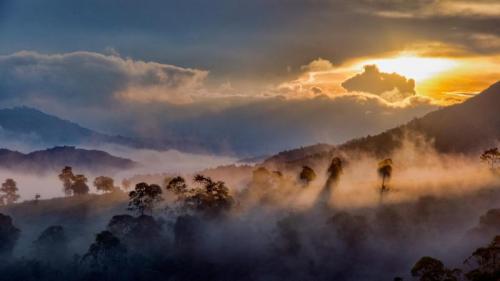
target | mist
[{"x": 278, "y": 226}]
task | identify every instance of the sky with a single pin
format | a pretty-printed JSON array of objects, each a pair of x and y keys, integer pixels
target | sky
[{"x": 251, "y": 76}]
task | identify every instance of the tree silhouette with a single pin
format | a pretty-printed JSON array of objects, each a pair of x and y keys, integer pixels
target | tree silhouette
[
  {"x": 491, "y": 156},
  {"x": 212, "y": 198},
  {"x": 66, "y": 176},
  {"x": 37, "y": 198},
  {"x": 104, "y": 184},
  {"x": 107, "y": 250},
  {"x": 51, "y": 245},
  {"x": 73, "y": 184},
  {"x": 307, "y": 175},
  {"x": 9, "y": 192},
  {"x": 144, "y": 197},
  {"x": 9, "y": 235},
  {"x": 385, "y": 172},
  {"x": 334, "y": 172},
  {"x": 431, "y": 269},
  {"x": 486, "y": 261},
  {"x": 177, "y": 185},
  {"x": 79, "y": 185},
  {"x": 126, "y": 183}
]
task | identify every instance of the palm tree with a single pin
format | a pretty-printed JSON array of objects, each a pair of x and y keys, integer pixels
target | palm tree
[{"x": 385, "y": 172}]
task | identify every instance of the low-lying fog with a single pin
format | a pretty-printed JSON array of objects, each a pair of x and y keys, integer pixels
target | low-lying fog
[{"x": 280, "y": 227}]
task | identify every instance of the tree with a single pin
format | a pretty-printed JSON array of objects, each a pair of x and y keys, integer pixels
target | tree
[
  {"x": 107, "y": 250},
  {"x": 385, "y": 172},
  {"x": 212, "y": 198},
  {"x": 9, "y": 235},
  {"x": 80, "y": 186},
  {"x": 51, "y": 245},
  {"x": 73, "y": 184},
  {"x": 126, "y": 183},
  {"x": 9, "y": 192},
  {"x": 133, "y": 231},
  {"x": 307, "y": 175},
  {"x": 491, "y": 156},
  {"x": 334, "y": 171},
  {"x": 37, "y": 198},
  {"x": 486, "y": 261},
  {"x": 177, "y": 185},
  {"x": 104, "y": 184},
  {"x": 144, "y": 197},
  {"x": 66, "y": 176},
  {"x": 431, "y": 269}
]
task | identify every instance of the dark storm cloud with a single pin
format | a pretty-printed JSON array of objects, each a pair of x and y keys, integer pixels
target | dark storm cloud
[
  {"x": 243, "y": 39},
  {"x": 391, "y": 86}
]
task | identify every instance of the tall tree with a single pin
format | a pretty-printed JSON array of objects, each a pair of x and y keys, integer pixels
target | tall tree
[
  {"x": 177, "y": 185},
  {"x": 144, "y": 198},
  {"x": 73, "y": 184},
  {"x": 307, "y": 175},
  {"x": 212, "y": 198},
  {"x": 66, "y": 176},
  {"x": 385, "y": 172},
  {"x": 334, "y": 172},
  {"x": 104, "y": 184},
  {"x": 491, "y": 156},
  {"x": 9, "y": 192}
]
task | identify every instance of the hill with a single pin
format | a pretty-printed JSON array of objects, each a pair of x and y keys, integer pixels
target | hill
[
  {"x": 34, "y": 127},
  {"x": 54, "y": 159},
  {"x": 465, "y": 128}
]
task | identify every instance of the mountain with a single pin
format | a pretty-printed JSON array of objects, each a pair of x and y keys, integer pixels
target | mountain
[
  {"x": 33, "y": 127},
  {"x": 54, "y": 159},
  {"x": 469, "y": 127}
]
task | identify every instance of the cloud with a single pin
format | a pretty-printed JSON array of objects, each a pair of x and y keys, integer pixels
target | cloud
[
  {"x": 390, "y": 86},
  {"x": 89, "y": 79},
  {"x": 115, "y": 95},
  {"x": 431, "y": 8}
]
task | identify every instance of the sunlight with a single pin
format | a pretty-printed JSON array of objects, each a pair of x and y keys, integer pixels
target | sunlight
[{"x": 418, "y": 68}]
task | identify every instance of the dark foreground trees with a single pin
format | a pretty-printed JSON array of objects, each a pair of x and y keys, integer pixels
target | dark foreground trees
[
  {"x": 431, "y": 269},
  {"x": 9, "y": 234},
  {"x": 52, "y": 245},
  {"x": 106, "y": 251},
  {"x": 144, "y": 198}
]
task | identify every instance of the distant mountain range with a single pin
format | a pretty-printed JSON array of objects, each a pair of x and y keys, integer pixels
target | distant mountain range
[
  {"x": 469, "y": 127},
  {"x": 34, "y": 127},
  {"x": 54, "y": 159}
]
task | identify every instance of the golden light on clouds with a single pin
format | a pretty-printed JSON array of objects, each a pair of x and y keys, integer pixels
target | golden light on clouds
[
  {"x": 443, "y": 79},
  {"x": 417, "y": 68}
]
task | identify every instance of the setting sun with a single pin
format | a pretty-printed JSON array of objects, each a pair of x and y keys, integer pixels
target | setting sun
[{"x": 418, "y": 68}]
